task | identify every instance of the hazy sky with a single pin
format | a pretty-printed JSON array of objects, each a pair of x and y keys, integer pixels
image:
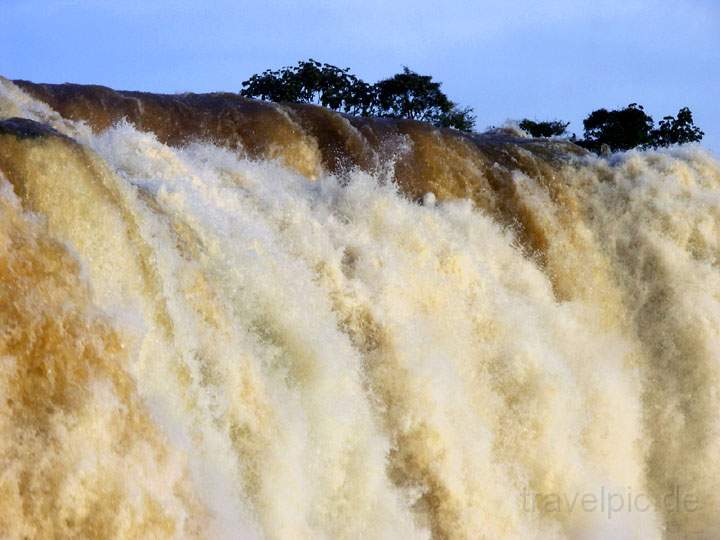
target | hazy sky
[{"x": 506, "y": 58}]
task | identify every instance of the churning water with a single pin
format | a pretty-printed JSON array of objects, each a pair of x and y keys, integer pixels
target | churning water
[{"x": 197, "y": 341}]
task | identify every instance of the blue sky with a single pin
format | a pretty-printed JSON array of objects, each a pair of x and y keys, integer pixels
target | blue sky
[{"x": 541, "y": 59}]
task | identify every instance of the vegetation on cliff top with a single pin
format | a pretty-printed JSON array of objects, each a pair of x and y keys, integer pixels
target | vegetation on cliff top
[
  {"x": 418, "y": 97},
  {"x": 623, "y": 129},
  {"x": 404, "y": 95}
]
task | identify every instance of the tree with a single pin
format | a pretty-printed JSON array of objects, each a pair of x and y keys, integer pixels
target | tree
[
  {"x": 680, "y": 130},
  {"x": 631, "y": 127},
  {"x": 461, "y": 119},
  {"x": 312, "y": 82},
  {"x": 544, "y": 129},
  {"x": 411, "y": 95},
  {"x": 405, "y": 95},
  {"x": 271, "y": 86},
  {"x": 619, "y": 129}
]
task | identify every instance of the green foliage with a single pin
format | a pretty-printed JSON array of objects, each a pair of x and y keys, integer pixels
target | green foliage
[
  {"x": 620, "y": 129},
  {"x": 631, "y": 127},
  {"x": 418, "y": 97},
  {"x": 312, "y": 82},
  {"x": 678, "y": 130},
  {"x": 462, "y": 119},
  {"x": 544, "y": 129},
  {"x": 405, "y": 95}
]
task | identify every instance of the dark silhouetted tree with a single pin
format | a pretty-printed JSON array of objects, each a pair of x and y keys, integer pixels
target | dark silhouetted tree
[
  {"x": 544, "y": 129},
  {"x": 272, "y": 86},
  {"x": 313, "y": 82},
  {"x": 632, "y": 127},
  {"x": 619, "y": 129},
  {"x": 405, "y": 95},
  {"x": 411, "y": 95},
  {"x": 680, "y": 130},
  {"x": 458, "y": 118}
]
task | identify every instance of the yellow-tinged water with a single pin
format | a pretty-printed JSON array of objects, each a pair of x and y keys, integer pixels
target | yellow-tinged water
[{"x": 200, "y": 340}]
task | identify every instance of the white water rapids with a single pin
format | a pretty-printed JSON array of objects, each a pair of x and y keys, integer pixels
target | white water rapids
[{"x": 328, "y": 359}]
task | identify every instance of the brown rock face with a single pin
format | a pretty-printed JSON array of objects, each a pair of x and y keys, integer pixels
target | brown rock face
[
  {"x": 429, "y": 159},
  {"x": 311, "y": 139}
]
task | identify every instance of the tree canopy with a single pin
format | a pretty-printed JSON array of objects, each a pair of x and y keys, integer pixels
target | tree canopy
[
  {"x": 544, "y": 129},
  {"x": 312, "y": 82},
  {"x": 411, "y": 95},
  {"x": 404, "y": 95},
  {"x": 632, "y": 127},
  {"x": 678, "y": 130},
  {"x": 418, "y": 97},
  {"x": 621, "y": 129},
  {"x": 624, "y": 129}
]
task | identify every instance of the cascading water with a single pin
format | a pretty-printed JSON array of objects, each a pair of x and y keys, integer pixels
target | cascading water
[{"x": 197, "y": 340}]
